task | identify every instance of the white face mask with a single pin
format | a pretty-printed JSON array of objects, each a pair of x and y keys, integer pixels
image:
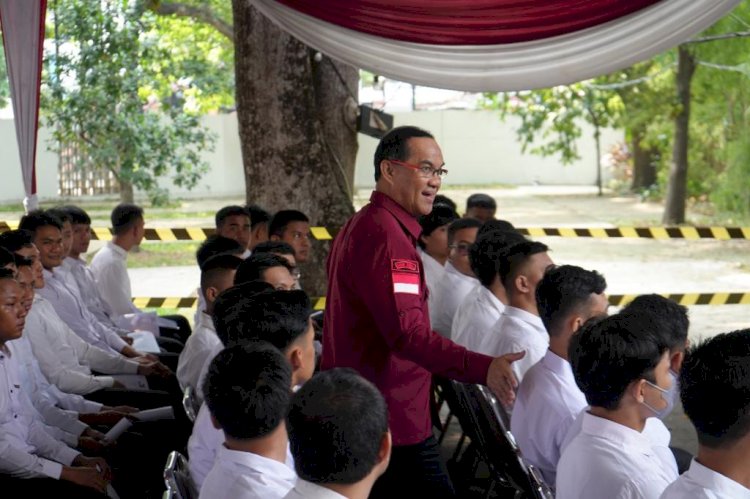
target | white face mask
[{"x": 666, "y": 396}]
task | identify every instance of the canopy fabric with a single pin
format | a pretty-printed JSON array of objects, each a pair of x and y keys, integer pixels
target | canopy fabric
[
  {"x": 23, "y": 36},
  {"x": 467, "y": 22},
  {"x": 537, "y": 62}
]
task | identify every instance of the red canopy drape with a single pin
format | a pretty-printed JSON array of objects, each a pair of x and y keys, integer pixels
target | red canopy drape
[{"x": 467, "y": 22}]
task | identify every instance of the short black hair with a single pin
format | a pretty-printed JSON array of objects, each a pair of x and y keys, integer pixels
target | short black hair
[
  {"x": 37, "y": 219},
  {"x": 444, "y": 200},
  {"x": 395, "y": 145},
  {"x": 124, "y": 217},
  {"x": 254, "y": 266},
  {"x": 275, "y": 247},
  {"x": 565, "y": 290},
  {"x": 283, "y": 218},
  {"x": 461, "y": 224},
  {"x": 608, "y": 354},
  {"x": 217, "y": 245},
  {"x": 23, "y": 262},
  {"x": 336, "y": 424},
  {"x": 7, "y": 274},
  {"x": 494, "y": 225},
  {"x": 715, "y": 388},
  {"x": 217, "y": 266},
  {"x": 248, "y": 389},
  {"x": 672, "y": 316},
  {"x": 61, "y": 214},
  {"x": 480, "y": 200},
  {"x": 6, "y": 257},
  {"x": 257, "y": 215},
  {"x": 488, "y": 251},
  {"x": 439, "y": 216},
  {"x": 278, "y": 317},
  {"x": 77, "y": 215},
  {"x": 230, "y": 211},
  {"x": 516, "y": 257},
  {"x": 14, "y": 240}
]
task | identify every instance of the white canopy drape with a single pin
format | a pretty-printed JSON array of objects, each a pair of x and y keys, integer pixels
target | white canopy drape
[{"x": 516, "y": 66}]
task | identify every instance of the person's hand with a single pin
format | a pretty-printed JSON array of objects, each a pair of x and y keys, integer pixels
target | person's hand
[
  {"x": 86, "y": 477},
  {"x": 127, "y": 339},
  {"x": 91, "y": 445},
  {"x": 500, "y": 377},
  {"x": 98, "y": 463},
  {"x": 154, "y": 369},
  {"x": 106, "y": 418},
  {"x": 92, "y": 433}
]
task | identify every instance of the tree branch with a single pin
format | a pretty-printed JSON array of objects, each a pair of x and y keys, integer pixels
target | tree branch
[
  {"x": 201, "y": 14},
  {"x": 723, "y": 36}
]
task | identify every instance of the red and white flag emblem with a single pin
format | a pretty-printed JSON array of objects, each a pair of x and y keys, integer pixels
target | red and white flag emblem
[{"x": 405, "y": 275}]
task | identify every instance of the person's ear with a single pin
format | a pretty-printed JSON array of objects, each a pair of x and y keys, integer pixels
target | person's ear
[
  {"x": 215, "y": 423},
  {"x": 575, "y": 323},
  {"x": 387, "y": 170},
  {"x": 522, "y": 283},
  {"x": 210, "y": 294},
  {"x": 295, "y": 358},
  {"x": 638, "y": 390},
  {"x": 384, "y": 453},
  {"x": 675, "y": 361}
]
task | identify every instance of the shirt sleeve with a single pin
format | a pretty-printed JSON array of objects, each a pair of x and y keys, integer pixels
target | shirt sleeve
[
  {"x": 109, "y": 283},
  {"x": 400, "y": 316},
  {"x": 202, "y": 446},
  {"x": 46, "y": 461}
]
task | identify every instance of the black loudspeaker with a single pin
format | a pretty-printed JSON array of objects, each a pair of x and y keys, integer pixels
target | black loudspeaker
[{"x": 373, "y": 122}]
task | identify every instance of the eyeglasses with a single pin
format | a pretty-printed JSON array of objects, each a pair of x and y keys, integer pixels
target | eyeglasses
[
  {"x": 461, "y": 248},
  {"x": 425, "y": 171}
]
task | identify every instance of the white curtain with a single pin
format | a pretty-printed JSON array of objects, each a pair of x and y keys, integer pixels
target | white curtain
[
  {"x": 517, "y": 66},
  {"x": 23, "y": 35}
]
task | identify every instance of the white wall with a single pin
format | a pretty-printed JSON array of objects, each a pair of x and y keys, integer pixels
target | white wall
[{"x": 478, "y": 149}]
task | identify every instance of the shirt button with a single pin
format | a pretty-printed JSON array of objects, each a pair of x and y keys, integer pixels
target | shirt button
[{"x": 402, "y": 314}]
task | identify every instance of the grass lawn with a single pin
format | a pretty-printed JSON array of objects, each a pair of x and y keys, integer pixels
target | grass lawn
[{"x": 160, "y": 254}]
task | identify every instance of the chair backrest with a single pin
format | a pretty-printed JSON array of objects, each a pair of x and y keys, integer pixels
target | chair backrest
[
  {"x": 177, "y": 478},
  {"x": 190, "y": 403}
]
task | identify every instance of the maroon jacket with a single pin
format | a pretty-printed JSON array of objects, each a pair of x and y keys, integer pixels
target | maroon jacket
[{"x": 377, "y": 321}]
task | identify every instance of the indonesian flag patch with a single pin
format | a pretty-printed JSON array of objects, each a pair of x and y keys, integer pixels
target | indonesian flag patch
[{"x": 405, "y": 275}]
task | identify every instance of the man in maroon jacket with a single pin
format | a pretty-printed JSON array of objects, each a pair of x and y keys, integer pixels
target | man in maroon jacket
[{"x": 377, "y": 321}]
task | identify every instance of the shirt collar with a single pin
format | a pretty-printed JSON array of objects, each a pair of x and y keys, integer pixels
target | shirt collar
[
  {"x": 534, "y": 320},
  {"x": 257, "y": 463},
  {"x": 117, "y": 250},
  {"x": 620, "y": 435},
  {"x": 715, "y": 481},
  {"x": 488, "y": 296},
  {"x": 406, "y": 219},
  {"x": 205, "y": 321},
  {"x": 311, "y": 490}
]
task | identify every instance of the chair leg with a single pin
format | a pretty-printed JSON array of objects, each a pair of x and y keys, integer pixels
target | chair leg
[{"x": 444, "y": 428}]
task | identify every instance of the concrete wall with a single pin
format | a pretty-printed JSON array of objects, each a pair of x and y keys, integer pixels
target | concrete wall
[{"x": 478, "y": 149}]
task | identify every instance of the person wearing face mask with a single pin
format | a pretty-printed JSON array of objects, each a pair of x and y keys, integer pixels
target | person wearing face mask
[{"x": 621, "y": 364}]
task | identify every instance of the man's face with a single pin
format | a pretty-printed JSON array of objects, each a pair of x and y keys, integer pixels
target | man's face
[
  {"x": 81, "y": 239},
  {"x": 49, "y": 242},
  {"x": 25, "y": 278},
  {"x": 280, "y": 278},
  {"x": 31, "y": 253},
  {"x": 436, "y": 244},
  {"x": 12, "y": 313},
  {"x": 534, "y": 270},
  {"x": 297, "y": 235},
  {"x": 459, "y": 255},
  {"x": 236, "y": 227},
  {"x": 412, "y": 191},
  {"x": 67, "y": 238},
  {"x": 481, "y": 214},
  {"x": 653, "y": 396},
  {"x": 140, "y": 230}
]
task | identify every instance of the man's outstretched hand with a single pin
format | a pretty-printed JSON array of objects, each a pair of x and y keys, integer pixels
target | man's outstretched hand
[{"x": 500, "y": 377}]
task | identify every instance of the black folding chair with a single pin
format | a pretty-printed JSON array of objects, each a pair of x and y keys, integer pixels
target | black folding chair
[
  {"x": 190, "y": 403},
  {"x": 177, "y": 478}
]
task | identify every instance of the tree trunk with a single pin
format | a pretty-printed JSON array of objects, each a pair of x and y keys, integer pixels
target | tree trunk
[
  {"x": 644, "y": 162},
  {"x": 674, "y": 207},
  {"x": 296, "y": 146},
  {"x": 126, "y": 191}
]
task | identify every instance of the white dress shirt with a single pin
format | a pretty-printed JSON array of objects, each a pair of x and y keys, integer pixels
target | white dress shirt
[
  {"x": 110, "y": 269},
  {"x": 449, "y": 293},
  {"x": 607, "y": 459},
  {"x": 475, "y": 317},
  {"x": 433, "y": 274},
  {"x": 244, "y": 475},
  {"x": 64, "y": 358},
  {"x": 700, "y": 482},
  {"x": 203, "y": 445},
  {"x": 547, "y": 404},
  {"x": 71, "y": 309},
  {"x": 517, "y": 330},
  {"x": 308, "y": 490},
  {"x": 198, "y": 348},
  {"x": 26, "y": 449}
]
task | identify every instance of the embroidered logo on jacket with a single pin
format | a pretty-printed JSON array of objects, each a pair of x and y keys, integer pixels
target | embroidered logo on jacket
[{"x": 405, "y": 275}]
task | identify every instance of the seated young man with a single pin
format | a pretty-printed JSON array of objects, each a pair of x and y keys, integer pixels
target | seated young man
[
  {"x": 278, "y": 248},
  {"x": 458, "y": 279},
  {"x": 480, "y": 206},
  {"x": 433, "y": 245},
  {"x": 292, "y": 227},
  {"x": 621, "y": 363},
  {"x": 520, "y": 328},
  {"x": 338, "y": 435},
  {"x": 31, "y": 460},
  {"x": 234, "y": 222},
  {"x": 715, "y": 393},
  {"x": 110, "y": 270},
  {"x": 484, "y": 304},
  {"x": 269, "y": 268},
  {"x": 548, "y": 400},
  {"x": 259, "y": 219},
  {"x": 247, "y": 391},
  {"x": 217, "y": 274},
  {"x": 281, "y": 318}
]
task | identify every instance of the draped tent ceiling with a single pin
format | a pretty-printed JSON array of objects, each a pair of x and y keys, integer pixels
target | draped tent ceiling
[{"x": 472, "y": 45}]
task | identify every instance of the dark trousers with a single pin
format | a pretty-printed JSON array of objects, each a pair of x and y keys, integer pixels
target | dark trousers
[
  {"x": 169, "y": 344},
  {"x": 415, "y": 471},
  {"x": 45, "y": 487},
  {"x": 142, "y": 399}
]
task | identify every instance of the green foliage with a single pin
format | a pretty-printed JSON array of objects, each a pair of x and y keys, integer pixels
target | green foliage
[
  {"x": 106, "y": 96},
  {"x": 4, "y": 86}
]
